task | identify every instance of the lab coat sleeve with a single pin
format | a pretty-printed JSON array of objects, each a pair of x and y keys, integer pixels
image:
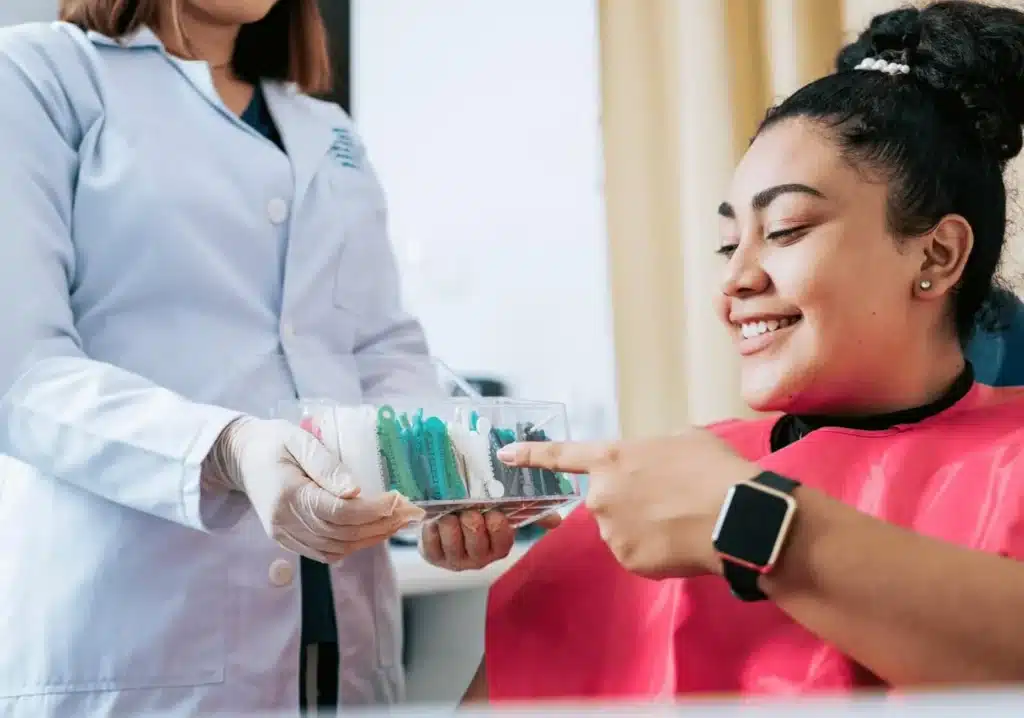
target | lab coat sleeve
[
  {"x": 391, "y": 348},
  {"x": 84, "y": 422}
]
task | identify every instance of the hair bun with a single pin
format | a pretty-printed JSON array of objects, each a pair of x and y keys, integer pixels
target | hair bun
[
  {"x": 892, "y": 36},
  {"x": 971, "y": 53},
  {"x": 898, "y": 31}
]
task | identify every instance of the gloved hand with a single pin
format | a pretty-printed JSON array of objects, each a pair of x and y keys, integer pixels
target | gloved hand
[{"x": 302, "y": 493}]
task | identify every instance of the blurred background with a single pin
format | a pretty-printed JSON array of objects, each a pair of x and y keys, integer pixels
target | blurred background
[{"x": 552, "y": 171}]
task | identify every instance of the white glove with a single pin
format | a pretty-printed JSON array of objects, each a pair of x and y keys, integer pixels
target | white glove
[{"x": 303, "y": 494}]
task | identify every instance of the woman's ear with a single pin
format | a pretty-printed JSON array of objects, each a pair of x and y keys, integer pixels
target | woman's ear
[{"x": 946, "y": 248}]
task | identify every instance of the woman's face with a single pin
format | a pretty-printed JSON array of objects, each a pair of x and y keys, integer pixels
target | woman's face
[
  {"x": 228, "y": 12},
  {"x": 817, "y": 294}
]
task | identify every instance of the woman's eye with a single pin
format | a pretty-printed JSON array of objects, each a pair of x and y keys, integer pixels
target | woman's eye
[
  {"x": 727, "y": 249},
  {"x": 788, "y": 232}
]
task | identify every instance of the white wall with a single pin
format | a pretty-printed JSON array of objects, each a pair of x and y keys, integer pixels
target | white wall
[
  {"x": 483, "y": 121},
  {"x": 15, "y": 11}
]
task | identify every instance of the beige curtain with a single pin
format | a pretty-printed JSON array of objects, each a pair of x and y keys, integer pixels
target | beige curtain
[
  {"x": 640, "y": 113},
  {"x": 804, "y": 37},
  {"x": 684, "y": 83}
]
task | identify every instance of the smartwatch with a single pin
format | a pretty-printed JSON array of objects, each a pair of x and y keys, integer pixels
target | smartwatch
[{"x": 751, "y": 530}]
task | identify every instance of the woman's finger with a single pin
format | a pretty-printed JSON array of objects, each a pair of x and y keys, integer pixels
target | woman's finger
[
  {"x": 475, "y": 536},
  {"x": 574, "y": 457},
  {"x": 384, "y": 526},
  {"x": 430, "y": 544},
  {"x": 345, "y": 540},
  {"x": 452, "y": 541},
  {"x": 361, "y": 509},
  {"x": 501, "y": 534},
  {"x": 549, "y": 521}
]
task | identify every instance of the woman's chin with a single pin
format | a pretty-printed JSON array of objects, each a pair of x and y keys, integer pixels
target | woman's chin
[
  {"x": 768, "y": 394},
  {"x": 765, "y": 404}
]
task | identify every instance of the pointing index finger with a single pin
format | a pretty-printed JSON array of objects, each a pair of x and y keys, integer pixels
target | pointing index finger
[{"x": 574, "y": 457}]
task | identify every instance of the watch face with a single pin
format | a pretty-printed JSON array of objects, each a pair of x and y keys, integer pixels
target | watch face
[{"x": 750, "y": 525}]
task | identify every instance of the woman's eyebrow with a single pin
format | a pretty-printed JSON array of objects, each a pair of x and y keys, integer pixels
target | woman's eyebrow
[{"x": 765, "y": 197}]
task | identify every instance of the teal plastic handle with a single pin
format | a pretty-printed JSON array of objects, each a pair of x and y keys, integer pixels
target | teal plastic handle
[
  {"x": 395, "y": 455},
  {"x": 444, "y": 473},
  {"x": 416, "y": 447}
]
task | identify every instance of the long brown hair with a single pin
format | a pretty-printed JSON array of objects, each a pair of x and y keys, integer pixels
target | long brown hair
[{"x": 290, "y": 43}]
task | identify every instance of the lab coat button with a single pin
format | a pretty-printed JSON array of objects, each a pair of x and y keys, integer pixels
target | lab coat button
[
  {"x": 281, "y": 572},
  {"x": 288, "y": 330},
  {"x": 277, "y": 210}
]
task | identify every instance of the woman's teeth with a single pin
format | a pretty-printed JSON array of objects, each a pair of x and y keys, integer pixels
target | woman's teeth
[{"x": 754, "y": 329}]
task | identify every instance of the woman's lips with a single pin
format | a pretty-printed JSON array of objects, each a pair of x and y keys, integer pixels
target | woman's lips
[{"x": 757, "y": 335}]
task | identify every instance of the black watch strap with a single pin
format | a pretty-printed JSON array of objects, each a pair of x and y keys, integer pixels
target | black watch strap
[
  {"x": 743, "y": 580},
  {"x": 777, "y": 482}
]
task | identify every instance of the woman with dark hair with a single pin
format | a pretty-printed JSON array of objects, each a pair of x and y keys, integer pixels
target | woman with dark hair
[
  {"x": 870, "y": 536},
  {"x": 188, "y": 238}
]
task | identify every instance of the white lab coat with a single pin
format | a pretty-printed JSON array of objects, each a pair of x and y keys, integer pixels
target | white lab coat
[{"x": 162, "y": 268}]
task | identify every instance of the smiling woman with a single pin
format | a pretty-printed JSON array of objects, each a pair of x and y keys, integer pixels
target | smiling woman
[
  {"x": 869, "y": 277},
  {"x": 871, "y": 534}
]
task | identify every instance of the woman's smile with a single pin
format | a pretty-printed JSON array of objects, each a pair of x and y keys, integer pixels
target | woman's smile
[{"x": 755, "y": 334}]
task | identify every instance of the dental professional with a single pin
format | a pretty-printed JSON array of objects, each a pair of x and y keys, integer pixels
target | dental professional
[{"x": 189, "y": 238}]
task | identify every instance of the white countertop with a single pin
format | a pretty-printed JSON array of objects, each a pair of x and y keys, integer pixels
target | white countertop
[{"x": 416, "y": 577}]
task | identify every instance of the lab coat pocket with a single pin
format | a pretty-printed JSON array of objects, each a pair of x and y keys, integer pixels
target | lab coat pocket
[{"x": 100, "y": 598}]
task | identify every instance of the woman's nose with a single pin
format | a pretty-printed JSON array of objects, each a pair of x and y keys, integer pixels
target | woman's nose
[{"x": 744, "y": 274}]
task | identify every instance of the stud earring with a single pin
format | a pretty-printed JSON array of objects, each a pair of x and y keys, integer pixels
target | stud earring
[{"x": 925, "y": 284}]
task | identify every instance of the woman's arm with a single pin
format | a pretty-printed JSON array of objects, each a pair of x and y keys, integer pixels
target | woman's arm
[
  {"x": 477, "y": 691},
  {"x": 911, "y": 609},
  {"x": 85, "y": 422}
]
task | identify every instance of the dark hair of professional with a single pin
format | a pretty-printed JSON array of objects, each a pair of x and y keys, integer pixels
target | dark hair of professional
[
  {"x": 288, "y": 44},
  {"x": 941, "y": 134}
]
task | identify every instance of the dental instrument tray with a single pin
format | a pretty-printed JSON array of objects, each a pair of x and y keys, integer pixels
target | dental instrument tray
[{"x": 441, "y": 453}]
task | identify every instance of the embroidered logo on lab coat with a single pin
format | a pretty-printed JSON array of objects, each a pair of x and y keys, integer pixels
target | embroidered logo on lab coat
[{"x": 344, "y": 149}]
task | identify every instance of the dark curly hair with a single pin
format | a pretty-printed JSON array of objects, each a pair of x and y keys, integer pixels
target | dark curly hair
[{"x": 941, "y": 134}]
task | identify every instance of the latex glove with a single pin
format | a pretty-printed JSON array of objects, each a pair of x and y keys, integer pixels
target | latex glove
[
  {"x": 471, "y": 540},
  {"x": 303, "y": 494}
]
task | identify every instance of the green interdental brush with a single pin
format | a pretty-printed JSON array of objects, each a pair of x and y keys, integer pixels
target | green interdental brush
[
  {"x": 434, "y": 438},
  {"x": 456, "y": 485},
  {"x": 395, "y": 457}
]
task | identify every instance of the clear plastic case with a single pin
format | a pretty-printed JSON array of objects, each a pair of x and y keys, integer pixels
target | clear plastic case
[{"x": 438, "y": 449}]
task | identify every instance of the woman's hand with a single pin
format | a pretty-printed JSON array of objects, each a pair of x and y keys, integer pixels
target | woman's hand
[
  {"x": 656, "y": 501},
  {"x": 471, "y": 540}
]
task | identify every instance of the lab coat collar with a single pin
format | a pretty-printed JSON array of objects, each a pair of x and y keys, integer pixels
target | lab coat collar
[
  {"x": 144, "y": 38},
  {"x": 197, "y": 72},
  {"x": 306, "y": 127},
  {"x": 141, "y": 38}
]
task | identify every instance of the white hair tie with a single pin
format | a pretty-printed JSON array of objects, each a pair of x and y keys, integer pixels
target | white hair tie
[{"x": 879, "y": 65}]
